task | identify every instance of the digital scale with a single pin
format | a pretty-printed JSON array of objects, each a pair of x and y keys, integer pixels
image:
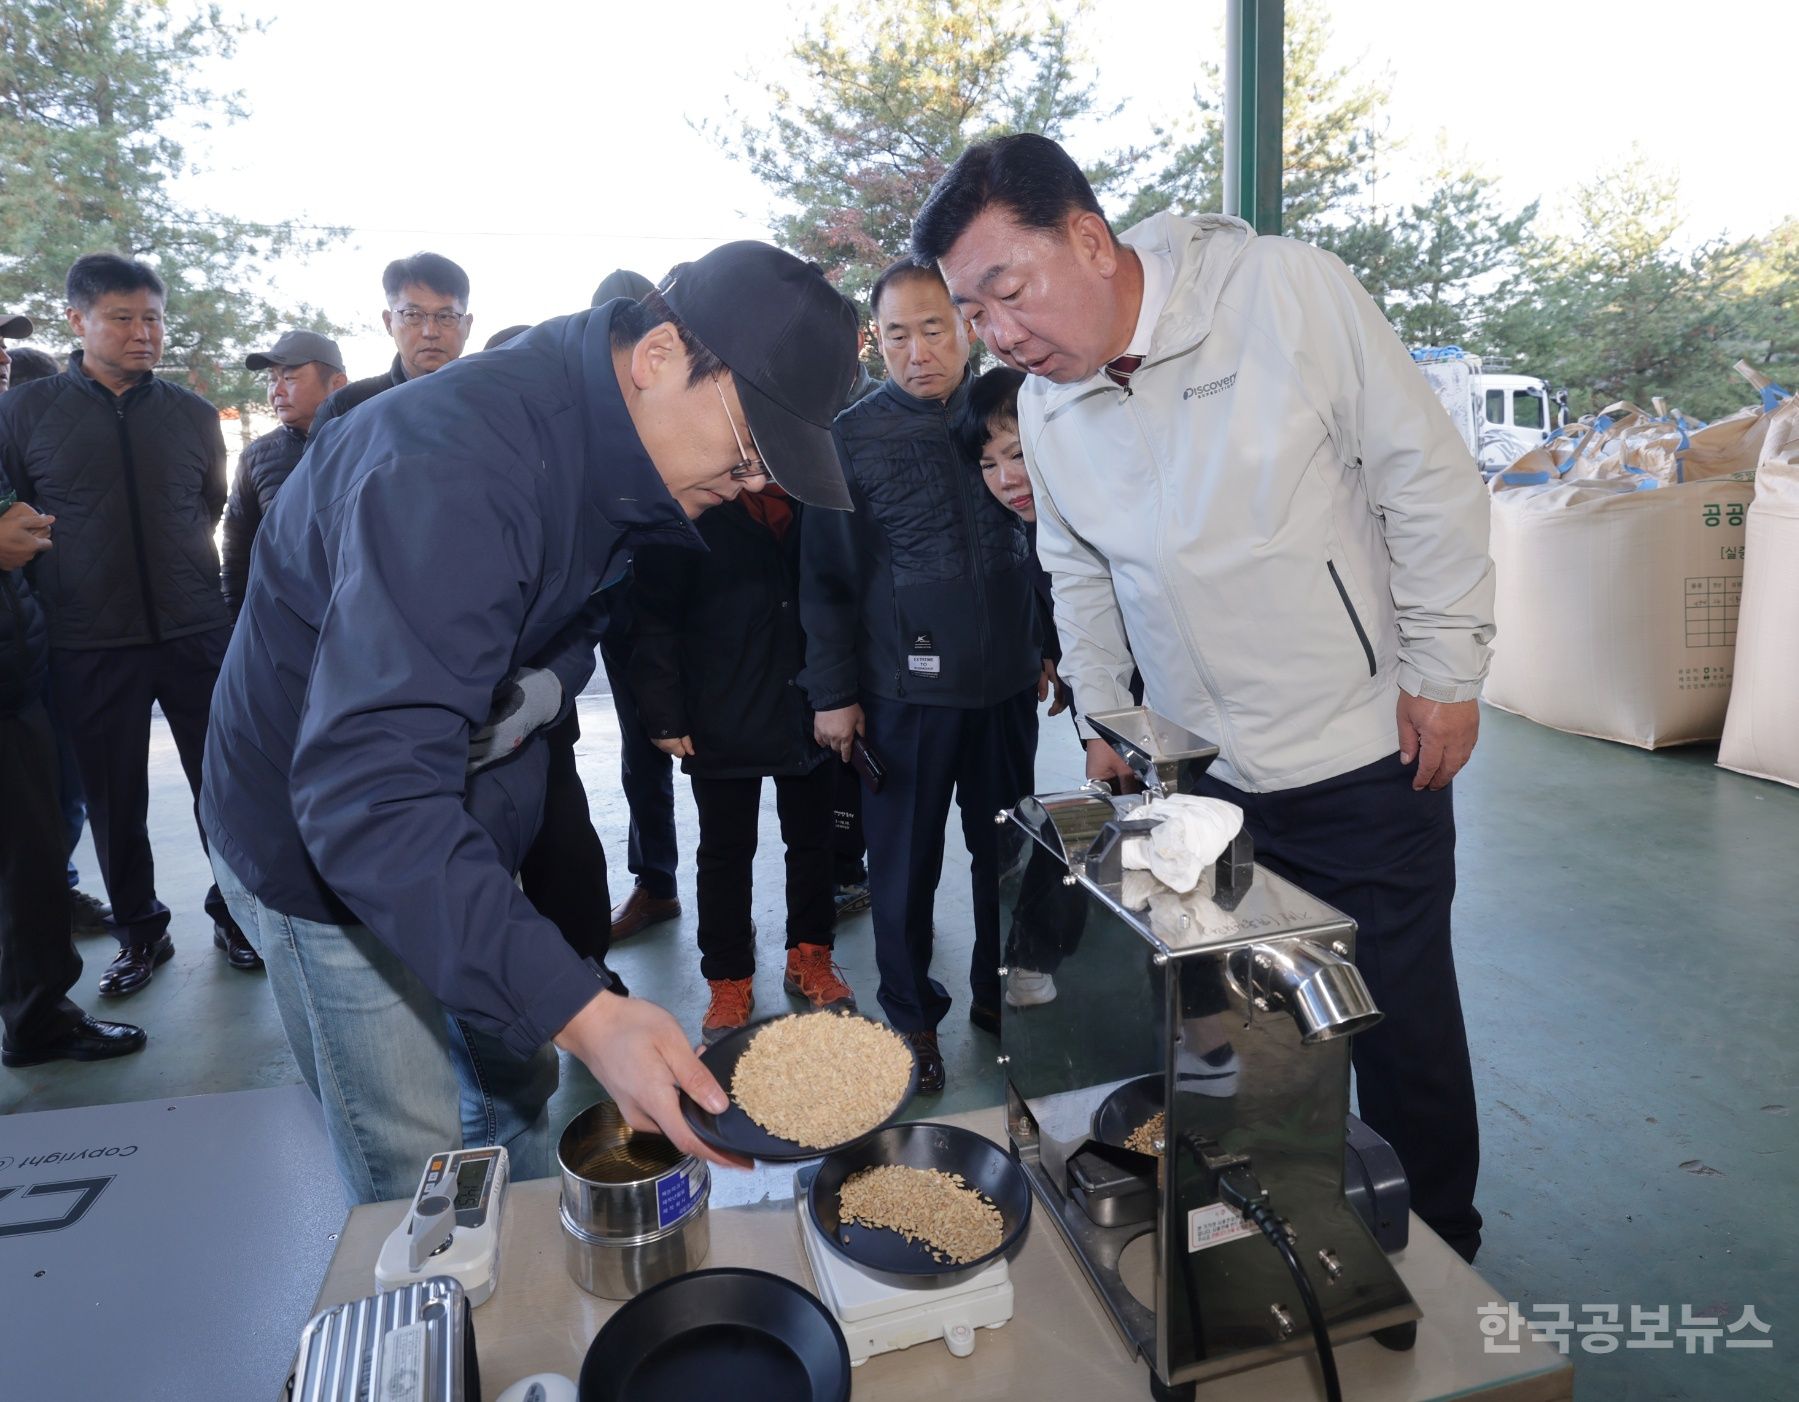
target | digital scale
[
  {"x": 880, "y": 1313},
  {"x": 452, "y": 1226}
]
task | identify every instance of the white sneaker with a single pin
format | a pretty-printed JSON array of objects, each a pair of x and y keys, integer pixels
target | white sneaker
[{"x": 1026, "y": 988}]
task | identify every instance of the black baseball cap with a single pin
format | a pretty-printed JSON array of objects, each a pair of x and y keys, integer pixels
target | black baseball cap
[
  {"x": 298, "y": 348},
  {"x": 789, "y": 341},
  {"x": 15, "y": 327}
]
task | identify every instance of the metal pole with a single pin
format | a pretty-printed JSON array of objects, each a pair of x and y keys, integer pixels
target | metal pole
[
  {"x": 1233, "y": 124},
  {"x": 1254, "y": 73}
]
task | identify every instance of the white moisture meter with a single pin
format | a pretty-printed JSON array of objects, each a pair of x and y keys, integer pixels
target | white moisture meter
[{"x": 452, "y": 1225}]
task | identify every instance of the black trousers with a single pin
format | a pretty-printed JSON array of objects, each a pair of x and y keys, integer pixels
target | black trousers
[
  {"x": 980, "y": 756},
  {"x": 38, "y": 963},
  {"x": 646, "y": 775},
  {"x": 729, "y": 810},
  {"x": 847, "y": 846},
  {"x": 564, "y": 873},
  {"x": 104, "y": 697},
  {"x": 68, "y": 780},
  {"x": 1385, "y": 857}
]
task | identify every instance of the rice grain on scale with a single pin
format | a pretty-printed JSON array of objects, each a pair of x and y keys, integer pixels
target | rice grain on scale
[
  {"x": 953, "y": 1220},
  {"x": 822, "y": 1079}
]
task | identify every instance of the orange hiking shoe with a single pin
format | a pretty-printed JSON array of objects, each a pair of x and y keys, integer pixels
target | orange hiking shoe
[
  {"x": 812, "y": 975},
  {"x": 732, "y": 999}
]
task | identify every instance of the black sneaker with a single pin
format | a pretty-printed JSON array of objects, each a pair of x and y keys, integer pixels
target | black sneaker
[{"x": 87, "y": 915}]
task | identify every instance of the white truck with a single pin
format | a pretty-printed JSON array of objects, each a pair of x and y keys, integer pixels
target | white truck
[{"x": 1500, "y": 416}]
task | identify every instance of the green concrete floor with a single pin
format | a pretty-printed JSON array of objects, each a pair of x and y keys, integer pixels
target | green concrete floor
[{"x": 1625, "y": 925}]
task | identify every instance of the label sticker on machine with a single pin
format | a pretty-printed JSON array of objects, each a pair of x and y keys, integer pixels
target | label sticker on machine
[
  {"x": 1215, "y": 1225},
  {"x": 403, "y": 1364},
  {"x": 676, "y": 1193}
]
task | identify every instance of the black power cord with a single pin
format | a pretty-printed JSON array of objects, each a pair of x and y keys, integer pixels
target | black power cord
[{"x": 1239, "y": 1188}]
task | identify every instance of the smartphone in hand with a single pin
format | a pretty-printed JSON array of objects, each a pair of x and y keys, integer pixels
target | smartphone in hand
[{"x": 868, "y": 764}]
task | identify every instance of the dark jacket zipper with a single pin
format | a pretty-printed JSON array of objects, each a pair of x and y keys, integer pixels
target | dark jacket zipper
[
  {"x": 1349, "y": 608},
  {"x": 137, "y": 522},
  {"x": 900, "y": 636}
]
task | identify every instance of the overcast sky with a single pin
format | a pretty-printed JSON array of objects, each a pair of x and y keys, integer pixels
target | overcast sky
[{"x": 543, "y": 144}]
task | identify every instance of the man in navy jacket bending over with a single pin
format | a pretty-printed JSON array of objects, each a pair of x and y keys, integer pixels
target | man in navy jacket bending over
[{"x": 424, "y": 595}]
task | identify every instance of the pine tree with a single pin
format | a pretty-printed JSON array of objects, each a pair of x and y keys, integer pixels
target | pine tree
[
  {"x": 90, "y": 93},
  {"x": 1614, "y": 309},
  {"x": 1430, "y": 265},
  {"x": 892, "y": 91}
]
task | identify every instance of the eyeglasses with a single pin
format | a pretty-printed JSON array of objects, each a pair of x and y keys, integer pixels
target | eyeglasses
[
  {"x": 746, "y": 467},
  {"x": 416, "y": 317}
]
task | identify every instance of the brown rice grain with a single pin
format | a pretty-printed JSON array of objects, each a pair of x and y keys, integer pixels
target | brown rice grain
[
  {"x": 1148, "y": 1137},
  {"x": 954, "y": 1221},
  {"x": 821, "y": 1079}
]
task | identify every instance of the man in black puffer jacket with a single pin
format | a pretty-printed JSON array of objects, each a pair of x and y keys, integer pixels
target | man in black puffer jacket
[
  {"x": 304, "y": 368},
  {"x": 133, "y": 470},
  {"x": 38, "y": 963},
  {"x": 922, "y": 635}
]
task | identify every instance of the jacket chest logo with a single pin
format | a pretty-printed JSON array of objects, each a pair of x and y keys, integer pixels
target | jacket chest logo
[{"x": 1210, "y": 388}]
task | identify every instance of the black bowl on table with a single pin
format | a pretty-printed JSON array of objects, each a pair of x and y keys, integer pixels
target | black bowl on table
[
  {"x": 725, "y": 1333},
  {"x": 735, "y": 1132},
  {"x": 982, "y": 1164}
]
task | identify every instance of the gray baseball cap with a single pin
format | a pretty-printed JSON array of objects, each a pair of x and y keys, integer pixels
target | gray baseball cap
[
  {"x": 298, "y": 348},
  {"x": 14, "y": 328}
]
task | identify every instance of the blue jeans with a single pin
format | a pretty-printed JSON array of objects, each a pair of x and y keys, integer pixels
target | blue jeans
[{"x": 399, "y": 1078}]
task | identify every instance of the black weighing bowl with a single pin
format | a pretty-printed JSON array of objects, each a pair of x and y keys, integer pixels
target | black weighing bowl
[
  {"x": 735, "y": 1132},
  {"x": 1122, "y": 1113},
  {"x": 984, "y": 1166},
  {"x": 726, "y": 1333}
]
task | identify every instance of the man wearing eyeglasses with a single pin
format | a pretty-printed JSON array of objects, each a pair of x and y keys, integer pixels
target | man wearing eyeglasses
[
  {"x": 435, "y": 543},
  {"x": 428, "y": 317}
]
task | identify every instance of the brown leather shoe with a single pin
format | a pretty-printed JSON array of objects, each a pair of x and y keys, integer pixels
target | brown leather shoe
[
  {"x": 131, "y": 968},
  {"x": 640, "y": 910},
  {"x": 930, "y": 1060}
]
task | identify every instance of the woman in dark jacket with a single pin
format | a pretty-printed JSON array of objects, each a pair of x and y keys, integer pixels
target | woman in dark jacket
[{"x": 715, "y": 649}]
